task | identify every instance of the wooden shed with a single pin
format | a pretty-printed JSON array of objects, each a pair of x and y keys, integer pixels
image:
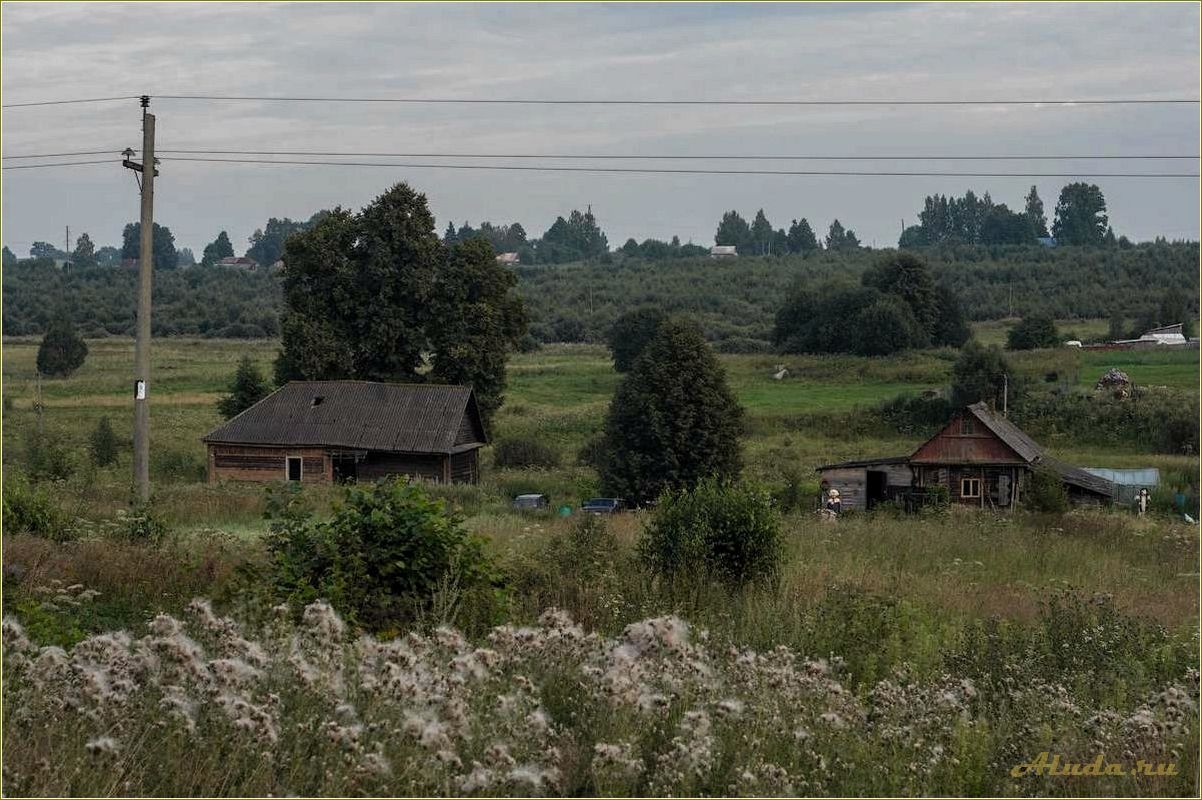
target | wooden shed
[
  {"x": 980, "y": 458},
  {"x": 986, "y": 460},
  {"x": 325, "y": 431},
  {"x": 864, "y": 483}
]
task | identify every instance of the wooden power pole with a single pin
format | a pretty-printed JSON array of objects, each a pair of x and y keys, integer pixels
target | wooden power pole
[{"x": 142, "y": 340}]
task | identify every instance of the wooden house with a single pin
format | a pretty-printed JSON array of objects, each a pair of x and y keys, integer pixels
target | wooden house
[
  {"x": 324, "y": 431},
  {"x": 980, "y": 458}
]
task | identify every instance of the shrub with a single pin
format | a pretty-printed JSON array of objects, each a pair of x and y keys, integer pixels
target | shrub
[
  {"x": 524, "y": 452},
  {"x": 102, "y": 445},
  {"x": 1046, "y": 492},
  {"x": 175, "y": 466},
  {"x": 30, "y": 509},
  {"x": 46, "y": 457},
  {"x": 247, "y": 387},
  {"x": 592, "y": 452},
  {"x": 887, "y": 326},
  {"x": 62, "y": 351},
  {"x": 383, "y": 557},
  {"x": 1033, "y": 333},
  {"x": 142, "y": 523},
  {"x": 980, "y": 373},
  {"x": 718, "y": 530}
]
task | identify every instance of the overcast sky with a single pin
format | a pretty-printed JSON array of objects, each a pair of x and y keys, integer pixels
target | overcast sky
[{"x": 538, "y": 50}]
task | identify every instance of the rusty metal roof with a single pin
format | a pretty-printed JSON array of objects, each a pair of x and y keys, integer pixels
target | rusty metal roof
[{"x": 361, "y": 415}]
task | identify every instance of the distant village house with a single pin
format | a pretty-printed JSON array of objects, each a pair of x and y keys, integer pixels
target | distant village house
[
  {"x": 241, "y": 262},
  {"x": 723, "y": 251},
  {"x": 508, "y": 259},
  {"x": 328, "y": 431},
  {"x": 980, "y": 458}
]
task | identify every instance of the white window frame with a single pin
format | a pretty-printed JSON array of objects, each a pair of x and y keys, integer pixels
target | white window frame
[
  {"x": 968, "y": 482},
  {"x": 300, "y": 471}
]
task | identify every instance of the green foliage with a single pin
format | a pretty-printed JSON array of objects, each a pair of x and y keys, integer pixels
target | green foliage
[
  {"x": 906, "y": 277},
  {"x": 672, "y": 420},
  {"x": 838, "y": 239},
  {"x": 32, "y": 509},
  {"x": 1033, "y": 211},
  {"x": 142, "y": 523},
  {"x": 216, "y": 250},
  {"x": 887, "y": 326},
  {"x": 381, "y": 558},
  {"x": 970, "y": 220},
  {"x": 980, "y": 374},
  {"x": 476, "y": 320},
  {"x": 102, "y": 444},
  {"x": 85, "y": 252},
  {"x": 524, "y": 452},
  {"x": 734, "y": 230},
  {"x": 47, "y": 457},
  {"x": 801, "y": 238},
  {"x": 573, "y": 239},
  {"x": 950, "y": 329},
  {"x": 163, "y": 252},
  {"x": 62, "y": 350},
  {"x": 630, "y": 333},
  {"x": 1032, "y": 333},
  {"x": 267, "y": 244},
  {"x": 717, "y": 529},
  {"x": 1046, "y": 492},
  {"x": 1080, "y": 215},
  {"x": 457, "y": 304},
  {"x": 1161, "y": 420},
  {"x": 503, "y": 238},
  {"x": 10, "y": 258},
  {"x": 247, "y": 387}
]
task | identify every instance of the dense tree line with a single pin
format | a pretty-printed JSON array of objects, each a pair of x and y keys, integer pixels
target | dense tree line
[
  {"x": 1080, "y": 219},
  {"x": 735, "y": 300},
  {"x": 760, "y": 239}
]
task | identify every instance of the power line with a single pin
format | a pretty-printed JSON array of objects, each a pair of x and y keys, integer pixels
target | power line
[
  {"x": 581, "y": 102},
  {"x": 642, "y": 170},
  {"x": 684, "y": 171},
  {"x": 62, "y": 164},
  {"x": 69, "y": 102},
  {"x": 116, "y": 150},
  {"x": 621, "y": 157}
]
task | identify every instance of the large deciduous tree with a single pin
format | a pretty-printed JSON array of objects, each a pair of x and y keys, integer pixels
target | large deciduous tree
[
  {"x": 367, "y": 295},
  {"x": 1032, "y": 333},
  {"x": 163, "y": 254},
  {"x": 672, "y": 421},
  {"x": 905, "y": 276},
  {"x": 1080, "y": 215},
  {"x": 980, "y": 374},
  {"x": 801, "y": 238}
]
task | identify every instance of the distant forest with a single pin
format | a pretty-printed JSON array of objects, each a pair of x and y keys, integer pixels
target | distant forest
[{"x": 735, "y": 299}]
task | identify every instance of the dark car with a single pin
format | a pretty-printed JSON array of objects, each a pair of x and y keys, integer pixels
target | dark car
[
  {"x": 531, "y": 502},
  {"x": 603, "y": 505}
]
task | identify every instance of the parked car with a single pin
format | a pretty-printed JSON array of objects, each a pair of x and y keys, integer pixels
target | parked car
[
  {"x": 603, "y": 505},
  {"x": 531, "y": 502}
]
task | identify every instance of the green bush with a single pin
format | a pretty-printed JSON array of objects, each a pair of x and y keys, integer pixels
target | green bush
[
  {"x": 102, "y": 445},
  {"x": 30, "y": 509},
  {"x": 46, "y": 457},
  {"x": 388, "y": 555},
  {"x": 175, "y": 466},
  {"x": 62, "y": 351},
  {"x": 523, "y": 453},
  {"x": 1046, "y": 492},
  {"x": 1032, "y": 333},
  {"x": 718, "y": 530}
]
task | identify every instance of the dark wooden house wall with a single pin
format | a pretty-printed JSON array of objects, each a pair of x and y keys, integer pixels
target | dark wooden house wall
[
  {"x": 418, "y": 465},
  {"x": 954, "y": 445},
  {"x": 993, "y": 478},
  {"x": 265, "y": 464}
]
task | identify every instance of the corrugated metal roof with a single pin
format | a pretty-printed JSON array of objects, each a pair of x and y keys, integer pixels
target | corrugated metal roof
[{"x": 361, "y": 415}]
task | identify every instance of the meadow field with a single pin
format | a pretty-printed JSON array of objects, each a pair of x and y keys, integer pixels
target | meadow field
[{"x": 892, "y": 654}]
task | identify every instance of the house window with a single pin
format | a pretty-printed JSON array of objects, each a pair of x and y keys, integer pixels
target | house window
[
  {"x": 966, "y": 426},
  {"x": 970, "y": 487},
  {"x": 294, "y": 468}
]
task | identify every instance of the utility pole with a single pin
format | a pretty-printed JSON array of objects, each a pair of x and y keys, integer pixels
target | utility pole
[
  {"x": 1005, "y": 395},
  {"x": 145, "y": 272},
  {"x": 67, "y": 244}
]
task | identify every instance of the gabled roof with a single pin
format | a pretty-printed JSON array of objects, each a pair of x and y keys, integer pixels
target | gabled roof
[
  {"x": 359, "y": 415},
  {"x": 1008, "y": 432}
]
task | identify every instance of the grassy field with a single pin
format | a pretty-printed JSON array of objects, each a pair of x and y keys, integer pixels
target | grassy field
[{"x": 998, "y": 612}]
